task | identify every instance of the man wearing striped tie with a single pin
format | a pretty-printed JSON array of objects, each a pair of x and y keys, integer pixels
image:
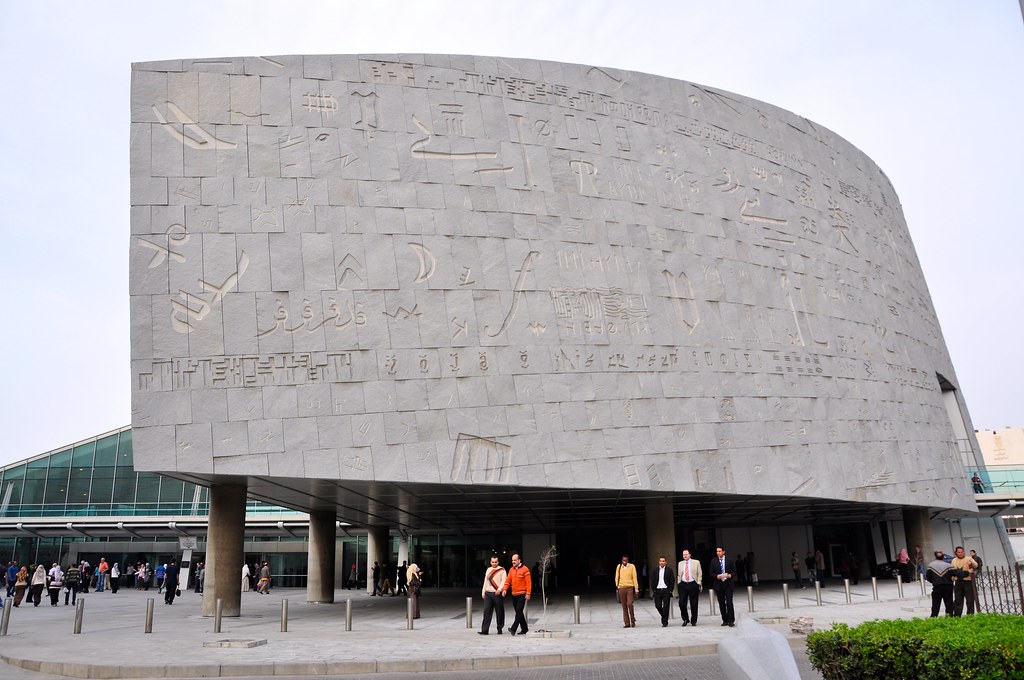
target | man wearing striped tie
[{"x": 690, "y": 578}]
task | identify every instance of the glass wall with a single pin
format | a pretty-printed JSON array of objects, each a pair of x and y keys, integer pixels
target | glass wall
[{"x": 96, "y": 478}]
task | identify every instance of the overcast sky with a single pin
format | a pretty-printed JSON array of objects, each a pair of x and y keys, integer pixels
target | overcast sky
[{"x": 932, "y": 91}]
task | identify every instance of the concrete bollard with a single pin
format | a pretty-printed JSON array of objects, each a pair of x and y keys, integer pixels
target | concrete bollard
[
  {"x": 817, "y": 592},
  {"x": 920, "y": 579},
  {"x": 846, "y": 586},
  {"x": 874, "y": 588},
  {"x": 79, "y": 615},
  {"x": 469, "y": 612},
  {"x": 218, "y": 615},
  {"x": 899, "y": 586},
  {"x": 149, "y": 615},
  {"x": 408, "y": 614},
  {"x": 284, "y": 616},
  {"x": 711, "y": 600},
  {"x": 785, "y": 596},
  {"x": 348, "y": 616},
  {"x": 575, "y": 609},
  {"x": 750, "y": 598}
]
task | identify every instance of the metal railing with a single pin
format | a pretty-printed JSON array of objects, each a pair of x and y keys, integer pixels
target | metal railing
[
  {"x": 998, "y": 478},
  {"x": 999, "y": 590}
]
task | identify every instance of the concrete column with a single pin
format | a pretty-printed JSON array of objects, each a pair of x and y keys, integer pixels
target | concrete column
[
  {"x": 403, "y": 549},
  {"x": 225, "y": 549},
  {"x": 661, "y": 536},
  {"x": 322, "y": 539},
  {"x": 378, "y": 549},
  {"x": 917, "y": 527}
]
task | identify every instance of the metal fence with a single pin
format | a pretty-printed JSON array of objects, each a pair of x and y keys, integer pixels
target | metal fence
[{"x": 999, "y": 590}]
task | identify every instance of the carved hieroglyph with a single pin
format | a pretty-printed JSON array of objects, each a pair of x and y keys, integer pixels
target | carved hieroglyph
[{"x": 517, "y": 264}]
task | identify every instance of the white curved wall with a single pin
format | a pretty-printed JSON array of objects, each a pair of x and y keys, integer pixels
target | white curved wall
[{"x": 476, "y": 270}]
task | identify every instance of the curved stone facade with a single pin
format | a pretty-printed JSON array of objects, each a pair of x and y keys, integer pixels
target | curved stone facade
[{"x": 477, "y": 271}]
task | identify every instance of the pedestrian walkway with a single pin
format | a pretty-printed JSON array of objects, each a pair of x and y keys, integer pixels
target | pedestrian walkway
[{"x": 113, "y": 643}]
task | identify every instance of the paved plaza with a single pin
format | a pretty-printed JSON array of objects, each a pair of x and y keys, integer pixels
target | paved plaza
[{"x": 41, "y": 643}]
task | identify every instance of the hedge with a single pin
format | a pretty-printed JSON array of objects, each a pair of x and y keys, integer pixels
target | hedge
[{"x": 980, "y": 647}]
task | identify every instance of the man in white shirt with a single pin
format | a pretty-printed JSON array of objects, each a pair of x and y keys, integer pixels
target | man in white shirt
[
  {"x": 662, "y": 582},
  {"x": 690, "y": 585},
  {"x": 494, "y": 582}
]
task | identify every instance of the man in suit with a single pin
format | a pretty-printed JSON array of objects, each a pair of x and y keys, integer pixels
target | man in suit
[
  {"x": 722, "y": 570},
  {"x": 662, "y": 583},
  {"x": 690, "y": 584}
]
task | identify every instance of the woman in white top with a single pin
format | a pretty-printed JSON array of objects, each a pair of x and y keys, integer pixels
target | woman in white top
[
  {"x": 35, "y": 594},
  {"x": 114, "y": 577},
  {"x": 56, "y": 583}
]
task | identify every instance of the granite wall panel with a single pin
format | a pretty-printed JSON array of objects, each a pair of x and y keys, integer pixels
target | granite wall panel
[{"x": 485, "y": 271}]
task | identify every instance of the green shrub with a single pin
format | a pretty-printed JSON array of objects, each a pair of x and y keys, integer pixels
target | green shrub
[{"x": 981, "y": 647}]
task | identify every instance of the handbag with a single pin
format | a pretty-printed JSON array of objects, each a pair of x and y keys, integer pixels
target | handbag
[
  {"x": 177, "y": 592},
  {"x": 618, "y": 596}
]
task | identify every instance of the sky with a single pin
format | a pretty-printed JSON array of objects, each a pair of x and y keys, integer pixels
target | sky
[{"x": 932, "y": 91}]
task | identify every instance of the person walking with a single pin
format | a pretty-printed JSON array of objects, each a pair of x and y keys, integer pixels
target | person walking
[
  {"x": 662, "y": 583},
  {"x": 375, "y": 573},
  {"x": 494, "y": 603},
  {"x": 87, "y": 574},
  {"x": 722, "y": 570},
  {"x": 265, "y": 579},
  {"x": 353, "y": 578},
  {"x": 627, "y": 587},
  {"x": 385, "y": 581},
  {"x": 170, "y": 582},
  {"x": 21, "y": 583},
  {"x": 245, "y": 577},
  {"x": 809, "y": 561},
  {"x": 520, "y": 584},
  {"x": 794, "y": 564},
  {"x": 415, "y": 578},
  {"x": 400, "y": 588},
  {"x": 37, "y": 585},
  {"x": 819, "y": 567},
  {"x": 12, "y": 577},
  {"x": 72, "y": 579},
  {"x": 56, "y": 582},
  {"x": 690, "y": 585}
]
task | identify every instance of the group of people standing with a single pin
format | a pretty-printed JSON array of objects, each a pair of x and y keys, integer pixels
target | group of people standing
[
  {"x": 688, "y": 578},
  {"x": 256, "y": 578},
  {"x": 954, "y": 582}
]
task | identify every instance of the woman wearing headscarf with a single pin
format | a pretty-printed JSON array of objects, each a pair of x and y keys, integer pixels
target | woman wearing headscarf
[
  {"x": 56, "y": 583},
  {"x": 36, "y": 586},
  {"x": 414, "y": 577},
  {"x": 114, "y": 577},
  {"x": 904, "y": 560},
  {"x": 20, "y": 586}
]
